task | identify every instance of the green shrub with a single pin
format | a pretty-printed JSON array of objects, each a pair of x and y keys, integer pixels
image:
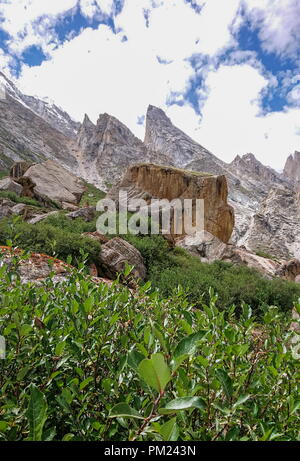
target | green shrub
[
  {"x": 101, "y": 364},
  {"x": 75, "y": 226},
  {"x": 15, "y": 198},
  {"x": 92, "y": 195},
  {"x": 48, "y": 239},
  {"x": 234, "y": 284}
]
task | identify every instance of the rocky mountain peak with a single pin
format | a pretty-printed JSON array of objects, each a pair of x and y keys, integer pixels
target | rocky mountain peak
[{"x": 292, "y": 167}]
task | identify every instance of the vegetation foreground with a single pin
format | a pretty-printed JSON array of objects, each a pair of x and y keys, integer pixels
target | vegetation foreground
[{"x": 86, "y": 361}]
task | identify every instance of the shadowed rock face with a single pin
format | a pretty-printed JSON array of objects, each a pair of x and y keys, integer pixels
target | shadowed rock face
[{"x": 149, "y": 181}]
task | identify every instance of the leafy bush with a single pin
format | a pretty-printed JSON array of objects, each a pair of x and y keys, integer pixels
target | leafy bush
[
  {"x": 48, "y": 239},
  {"x": 75, "y": 226},
  {"x": 89, "y": 362},
  {"x": 234, "y": 284}
]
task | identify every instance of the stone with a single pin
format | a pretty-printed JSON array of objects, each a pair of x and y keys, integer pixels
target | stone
[
  {"x": 87, "y": 213},
  {"x": 41, "y": 217},
  {"x": 114, "y": 256},
  {"x": 96, "y": 236},
  {"x": 7, "y": 184},
  {"x": 19, "y": 209},
  {"x": 290, "y": 270},
  {"x": 5, "y": 211},
  {"x": 69, "y": 206},
  {"x": 55, "y": 182},
  {"x": 150, "y": 181}
]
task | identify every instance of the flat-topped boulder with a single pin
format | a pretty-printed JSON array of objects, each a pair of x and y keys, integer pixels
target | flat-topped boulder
[{"x": 150, "y": 181}]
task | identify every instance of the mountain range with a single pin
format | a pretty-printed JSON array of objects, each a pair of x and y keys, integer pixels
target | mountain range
[{"x": 266, "y": 202}]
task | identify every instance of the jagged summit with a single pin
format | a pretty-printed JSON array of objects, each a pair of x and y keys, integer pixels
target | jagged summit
[{"x": 292, "y": 168}]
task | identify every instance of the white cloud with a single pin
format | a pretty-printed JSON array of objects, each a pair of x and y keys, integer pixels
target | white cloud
[
  {"x": 278, "y": 22},
  {"x": 175, "y": 30},
  {"x": 232, "y": 122},
  {"x": 98, "y": 72}
]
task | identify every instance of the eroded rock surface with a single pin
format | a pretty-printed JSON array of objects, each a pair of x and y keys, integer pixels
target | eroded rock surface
[{"x": 149, "y": 181}]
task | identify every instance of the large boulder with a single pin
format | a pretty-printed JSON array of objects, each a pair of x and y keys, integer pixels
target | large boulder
[
  {"x": 8, "y": 184},
  {"x": 114, "y": 256},
  {"x": 53, "y": 181},
  {"x": 149, "y": 181}
]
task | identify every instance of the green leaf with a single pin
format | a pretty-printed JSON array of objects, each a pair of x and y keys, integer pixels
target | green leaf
[
  {"x": 134, "y": 358},
  {"x": 36, "y": 413},
  {"x": 188, "y": 345},
  {"x": 183, "y": 403},
  {"x": 226, "y": 382},
  {"x": 123, "y": 410},
  {"x": 86, "y": 382},
  {"x": 242, "y": 399},
  {"x": 169, "y": 431},
  {"x": 155, "y": 372}
]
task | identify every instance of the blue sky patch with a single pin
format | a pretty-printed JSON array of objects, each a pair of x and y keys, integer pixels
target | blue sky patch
[{"x": 33, "y": 56}]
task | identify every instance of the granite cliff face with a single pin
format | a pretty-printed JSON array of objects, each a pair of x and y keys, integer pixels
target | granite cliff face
[
  {"x": 275, "y": 228},
  {"x": 107, "y": 149},
  {"x": 25, "y": 135}
]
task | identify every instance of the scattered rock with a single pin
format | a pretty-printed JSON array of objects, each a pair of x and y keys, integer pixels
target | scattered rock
[
  {"x": 87, "y": 213},
  {"x": 289, "y": 270},
  {"x": 5, "y": 211},
  {"x": 114, "y": 256},
  {"x": 97, "y": 236},
  {"x": 19, "y": 209},
  {"x": 8, "y": 184},
  {"x": 41, "y": 217},
  {"x": 69, "y": 206}
]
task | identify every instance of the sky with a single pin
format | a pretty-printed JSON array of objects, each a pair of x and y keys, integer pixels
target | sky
[{"x": 227, "y": 72}]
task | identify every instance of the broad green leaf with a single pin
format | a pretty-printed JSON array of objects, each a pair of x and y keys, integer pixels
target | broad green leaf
[
  {"x": 170, "y": 431},
  {"x": 155, "y": 372},
  {"x": 86, "y": 382},
  {"x": 188, "y": 345},
  {"x": 183, "y": 403},
  {"x": 134, "y": 358},
  {"x": 123, "y": 410},
  {"x": 226, "y": 382},
  {"x": 36, "y": 413}
]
